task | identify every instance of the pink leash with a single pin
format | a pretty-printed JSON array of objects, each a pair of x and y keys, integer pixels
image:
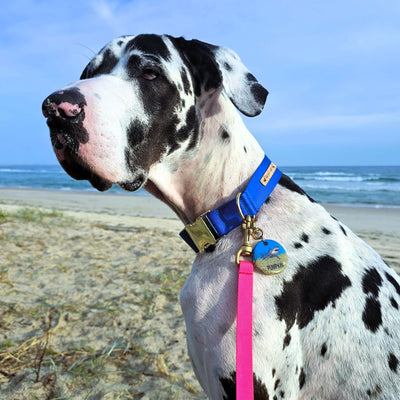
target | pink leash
[{"x": 244, "y": 333}]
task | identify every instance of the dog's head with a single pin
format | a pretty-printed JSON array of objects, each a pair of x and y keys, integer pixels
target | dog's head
[{"x": 140, "y": 100}]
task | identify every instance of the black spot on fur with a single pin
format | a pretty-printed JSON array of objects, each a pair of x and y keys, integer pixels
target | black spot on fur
[
  {"x": 133, "y": 66},
  {"x": 286, "y": 340},
  {"x": 371, "y": 282},
  {"x": 298, "y": 245},
  {"x": 312, "y": 289},
  {"x": 136, "y": 133},
  {"x": 305, "y": 237},
  {"x": 326, "y": 231},
  {"x": 323, "y": 349},
  {"x": 185, "y": 81},
  {"x": 229, "y": 386},
  {"x": 192, "y": 126},
  {"x": 277, "y": 382},
  {"x": 225, "y": 135},
  {"x": 109, "y": 61},
  {"x": 394, "y": 303},
  {"x": 250, "y": 77},
  {"x": 302, "y": 378},
  {"x": 244, "y": 148},
  {"x": 273, "y": 372},
  {"x": 201, "y": 63},
  {"x": 393, "y": 362},
  {"x": 372, "y": 314},
  {"x": 149, "y": 44},
  {"x": 191, "y": 120},
  {"x": 374, "y": 393},
  {"x": 227, "y": 67},
  {"x": 260, "y": 391},
  {"x": 343, "y": 230},
  {"x": 393, "y": 281},
  {"x": 287, "y": 183}
]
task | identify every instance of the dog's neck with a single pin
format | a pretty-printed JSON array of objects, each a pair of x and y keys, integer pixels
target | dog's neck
[{"x": 226, "y": 158}]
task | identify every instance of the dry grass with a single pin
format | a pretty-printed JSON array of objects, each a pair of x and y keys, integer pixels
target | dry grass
[{"x": 90, "y": 311}]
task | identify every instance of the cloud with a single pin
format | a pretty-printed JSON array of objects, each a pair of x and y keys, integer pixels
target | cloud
[{"x": 104, "y": 9}]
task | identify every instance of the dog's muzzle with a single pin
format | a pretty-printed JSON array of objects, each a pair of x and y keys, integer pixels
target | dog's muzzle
[{"x": 65, "y": 113}]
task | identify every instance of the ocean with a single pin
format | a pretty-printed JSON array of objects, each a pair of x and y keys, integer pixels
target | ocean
[{"x": 357, "y": 186}]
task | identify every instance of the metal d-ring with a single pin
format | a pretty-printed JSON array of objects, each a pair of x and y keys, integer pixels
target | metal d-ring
[
  {"x": 248, "y": 221},
  {"x": 238, "y": 206}
]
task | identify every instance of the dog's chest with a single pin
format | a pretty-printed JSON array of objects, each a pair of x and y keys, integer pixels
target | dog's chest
[{"x": 301, "y": 318}]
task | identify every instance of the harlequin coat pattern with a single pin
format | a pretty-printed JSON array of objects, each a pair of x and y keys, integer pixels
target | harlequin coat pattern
[{"x": 160, "y": 112}]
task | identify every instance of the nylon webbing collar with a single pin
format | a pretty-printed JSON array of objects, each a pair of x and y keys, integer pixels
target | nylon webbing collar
[{"x": 212, "y": 225}]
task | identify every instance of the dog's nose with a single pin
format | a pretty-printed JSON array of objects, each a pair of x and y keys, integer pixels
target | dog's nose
[{"x": 65, "y": 104}]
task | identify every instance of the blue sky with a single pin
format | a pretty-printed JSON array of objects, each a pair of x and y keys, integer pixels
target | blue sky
[{"x": 332, "y": 68}]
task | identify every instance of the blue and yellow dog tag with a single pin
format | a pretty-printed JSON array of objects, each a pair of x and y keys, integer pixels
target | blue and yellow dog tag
[{"x": 270, "y": 257}]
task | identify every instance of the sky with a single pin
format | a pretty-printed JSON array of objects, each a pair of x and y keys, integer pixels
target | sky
[{"x": 332, "y": 68}]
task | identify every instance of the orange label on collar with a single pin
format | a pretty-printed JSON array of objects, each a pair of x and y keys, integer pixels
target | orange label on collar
[{"x": 268, "y": 174}]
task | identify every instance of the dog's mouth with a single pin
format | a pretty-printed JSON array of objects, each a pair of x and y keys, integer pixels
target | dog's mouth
[
  {"x": 67, "y": 149},
  {"x": 134, "y": 185},
  {"x": 77, "y": 169}
]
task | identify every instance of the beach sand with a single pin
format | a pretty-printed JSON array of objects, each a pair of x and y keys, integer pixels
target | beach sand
[{"x": 89, "y": 294}]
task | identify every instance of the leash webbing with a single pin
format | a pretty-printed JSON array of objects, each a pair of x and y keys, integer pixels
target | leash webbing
[{"x": 244, "y": 333}]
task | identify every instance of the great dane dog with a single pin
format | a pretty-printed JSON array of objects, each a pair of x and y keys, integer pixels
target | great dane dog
[{"x": 158, "y": 112}]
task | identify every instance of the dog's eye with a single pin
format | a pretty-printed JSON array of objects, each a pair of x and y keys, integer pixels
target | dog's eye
[{"x": 149, "y": 74}]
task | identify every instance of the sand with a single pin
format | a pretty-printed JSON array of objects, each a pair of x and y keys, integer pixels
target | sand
[{"x": 89, "y": 294}]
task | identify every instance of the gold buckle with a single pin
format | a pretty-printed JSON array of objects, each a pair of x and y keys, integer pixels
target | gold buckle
[{"x": 200, "y": 233}]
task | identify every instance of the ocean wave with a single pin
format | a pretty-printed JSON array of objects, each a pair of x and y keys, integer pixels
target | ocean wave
[
  {"x": 383, "y": 179},
  {"x": 375, "y": 186},
  {"x": 341, "y": 178},
  {"x": 17, "y": 171},
  {"x": 353, "y": 188},
  {"x": 345, "y": 178},
  {"x": 30, "y": 171}
]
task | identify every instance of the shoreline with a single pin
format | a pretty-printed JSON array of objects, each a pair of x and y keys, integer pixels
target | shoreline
[
  {"x": 145, "y": 194},
  {"x": 126, "y": 207}
]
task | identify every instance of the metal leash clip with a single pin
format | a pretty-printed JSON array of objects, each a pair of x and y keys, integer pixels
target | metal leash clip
[{"x": 249, "y": 231}]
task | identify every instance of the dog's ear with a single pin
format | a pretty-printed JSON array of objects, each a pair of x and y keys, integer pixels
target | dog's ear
[{"x": 214, "y": 67}]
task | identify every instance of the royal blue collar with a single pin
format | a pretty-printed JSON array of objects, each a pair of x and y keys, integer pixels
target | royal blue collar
[{"x": 212, "y": 225}]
